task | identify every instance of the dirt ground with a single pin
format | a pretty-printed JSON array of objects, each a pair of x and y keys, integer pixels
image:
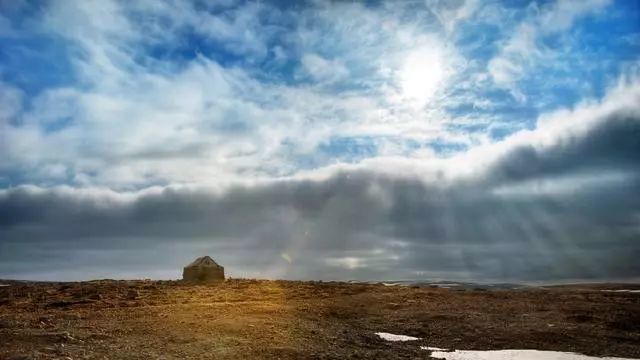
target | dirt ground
[{"x": 248, "y": 319}]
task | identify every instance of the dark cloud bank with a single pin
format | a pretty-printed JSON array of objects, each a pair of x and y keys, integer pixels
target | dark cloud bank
[{"x": 566, "y": 211}]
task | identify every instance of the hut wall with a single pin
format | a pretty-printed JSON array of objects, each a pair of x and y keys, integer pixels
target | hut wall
[{"x": 203, "y": 274}]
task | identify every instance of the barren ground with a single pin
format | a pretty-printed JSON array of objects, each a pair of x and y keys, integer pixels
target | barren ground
[{"x": 240, "y": 319}]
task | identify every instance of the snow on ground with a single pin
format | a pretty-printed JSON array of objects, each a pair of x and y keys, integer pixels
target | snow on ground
[
  {"x": 513, "y": 355},
  {"x": 495, "y": 354},
  {"x": 624, "y": 290},
  {"x": 394, "y": 337},
  {"x": 431, "y": 348}
]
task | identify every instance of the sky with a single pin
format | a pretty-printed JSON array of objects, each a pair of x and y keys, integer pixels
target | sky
[{"x": 364, "y": 140}]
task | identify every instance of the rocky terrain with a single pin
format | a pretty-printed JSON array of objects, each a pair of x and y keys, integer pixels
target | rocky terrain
[{"x": 239, "y": 319}]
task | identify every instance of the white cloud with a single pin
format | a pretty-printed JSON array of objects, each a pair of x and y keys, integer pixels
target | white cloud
[
  {"x": 565, "y": 12},
  {"x": 450, "y": 13},
  {"x": 323, "y": 70},
  {"x": 557, "y": 127},
  {"x": 522, "y": 51}
]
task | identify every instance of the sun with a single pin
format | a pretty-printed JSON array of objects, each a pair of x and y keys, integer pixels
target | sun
[{"x": 421, "y": 75}]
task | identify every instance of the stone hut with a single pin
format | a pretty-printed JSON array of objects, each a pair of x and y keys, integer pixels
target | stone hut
[{"x": 203, "y": 269}]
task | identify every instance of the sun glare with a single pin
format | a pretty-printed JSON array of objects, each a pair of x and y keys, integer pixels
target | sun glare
[{"x": 422, "y": 73}]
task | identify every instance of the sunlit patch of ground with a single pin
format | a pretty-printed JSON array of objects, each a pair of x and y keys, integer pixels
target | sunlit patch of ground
[{"x": 239, "y": 319}]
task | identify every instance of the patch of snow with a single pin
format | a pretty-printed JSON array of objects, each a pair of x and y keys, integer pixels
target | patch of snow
[
  {"x": 514, "y": 355},
  {"x": 624, "y": 290},
  {"x": 431, "y": 348},
  {"x": 394, "y": 337},
  {"x": 3, "y": 285}
]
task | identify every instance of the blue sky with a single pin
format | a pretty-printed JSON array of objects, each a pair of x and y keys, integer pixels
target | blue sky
[{"x": 128, "y": 97}]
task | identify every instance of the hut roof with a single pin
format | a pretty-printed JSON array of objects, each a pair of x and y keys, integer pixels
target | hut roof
[{"x": 203, "y": 261}]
